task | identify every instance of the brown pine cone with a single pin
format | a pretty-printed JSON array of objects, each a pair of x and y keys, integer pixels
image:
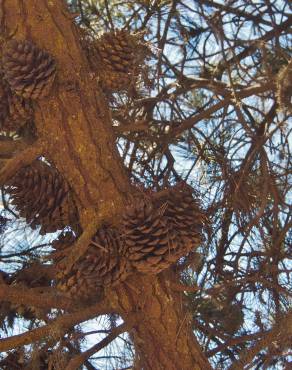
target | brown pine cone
[
  {"x": 183, "y": 216},
  {"x": 103, "y": 265},
  {"x": 148, "y": 240},
  {"x": 159, "y": 232},
  {"x": 29, "y": 71},
  {"x": 119, "y": 56},
  {"x": 41, "y": 195}
]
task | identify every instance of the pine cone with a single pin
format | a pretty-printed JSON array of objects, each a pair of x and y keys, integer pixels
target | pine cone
[
  {"x": 103, "y": 265},
  {"x": 184, "y": 217},
  {"x": 29, "y": 70},
  {"x": 157, "y": 234},
  {"x": 119, "y": 55},
  {"x": 42, "y": 197},
  {"x": 148, "y": 240}
]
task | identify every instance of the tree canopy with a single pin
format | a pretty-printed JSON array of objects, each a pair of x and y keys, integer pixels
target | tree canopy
[{"x": 136, "y": 115}]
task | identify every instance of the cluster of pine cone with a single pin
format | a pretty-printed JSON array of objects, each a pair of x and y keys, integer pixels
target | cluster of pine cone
[
  {"x": 118, "y": 57},
  {"x": 38, "y": 191},
  {"x": 27, "y": 73},
  {"x": 154, "y": 234}
]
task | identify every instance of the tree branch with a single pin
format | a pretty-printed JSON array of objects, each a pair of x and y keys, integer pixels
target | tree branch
[
  {"x": 79, "y": 248},
  {"x": 244, "y": 93},
  {"x": 22, "y": 159},
  {"x": 33, "y": 297},
  {"x": 281, "y": 330},
  {"x": 55, "y": 329}
]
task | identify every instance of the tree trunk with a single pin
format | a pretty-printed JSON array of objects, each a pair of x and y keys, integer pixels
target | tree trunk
[
  {"x": 163, "y": 336},
  {"x": 75, "y": 133},
  {"x": 73, "y": 123}
]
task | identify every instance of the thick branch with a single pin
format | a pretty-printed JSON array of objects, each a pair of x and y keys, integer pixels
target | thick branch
[
  {"x": 79, "y": 248},
  {"x": 162, "y": 336},
  {"x": 22, "y": 159},
  {"x": 29, "y": 297},
  {"x": 55, "y": 329}
]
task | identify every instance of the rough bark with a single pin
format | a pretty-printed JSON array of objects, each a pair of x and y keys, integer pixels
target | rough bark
[
  {"x": 162, "y": 333},
  {"x": 75, "y": 133},
  {"x": 73, "y": 121}
]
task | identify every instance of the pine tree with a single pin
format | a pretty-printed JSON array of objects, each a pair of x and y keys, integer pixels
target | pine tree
[{"x": 145, "y": 182}]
